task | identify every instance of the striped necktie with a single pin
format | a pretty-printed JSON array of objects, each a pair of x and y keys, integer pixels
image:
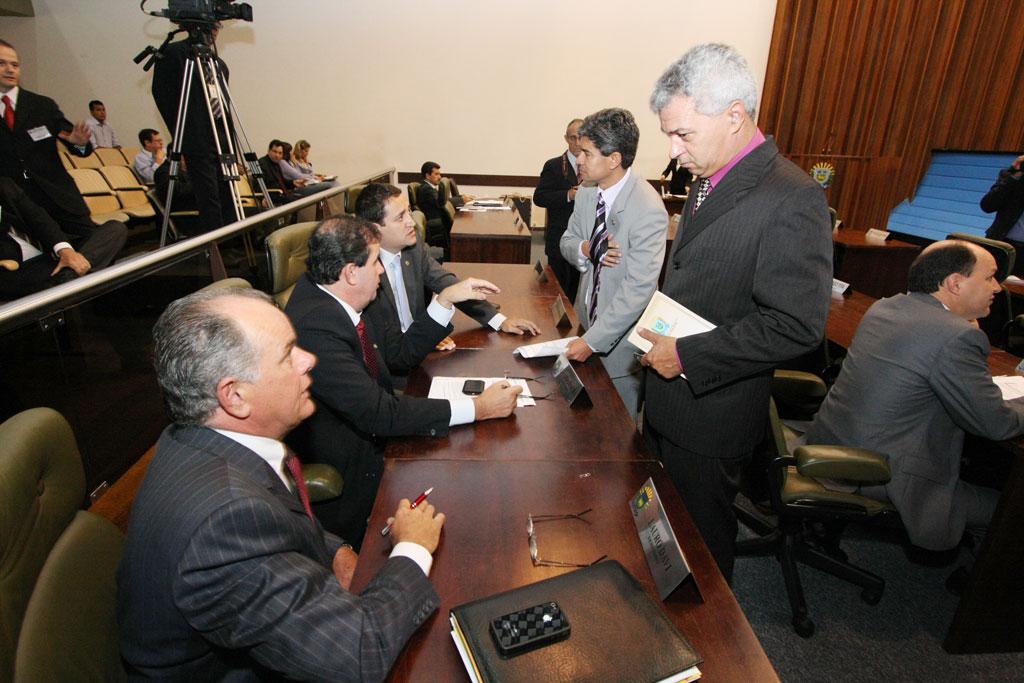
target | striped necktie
[
  {"x": 598, "y": 248},
  {"x": 291, "y": 461},
  {"x": 369, "y": 354},
  {"x": 703, "y": 189}
]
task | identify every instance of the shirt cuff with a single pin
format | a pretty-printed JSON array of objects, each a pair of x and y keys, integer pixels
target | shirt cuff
[
  {"x": 60, "y": 245},
  {"x": 581, "y": 259},
  {"x": 438, "y": 313},
  {"x": 495, "y": 322},
  {"x": 463, "y": 411},
  {"x": 415, "y": 552}
]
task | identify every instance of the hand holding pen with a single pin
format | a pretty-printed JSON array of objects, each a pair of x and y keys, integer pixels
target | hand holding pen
[{"x": 419, "y": 499}]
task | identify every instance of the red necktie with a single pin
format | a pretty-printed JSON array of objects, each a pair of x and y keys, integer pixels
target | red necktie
[
  {"x": 369, "y": 355},
  {"x": 291, "y": 461},
  {"x": 8, "y": 113}
]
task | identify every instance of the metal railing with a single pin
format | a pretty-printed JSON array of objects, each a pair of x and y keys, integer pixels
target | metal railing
[{"x": 50, "y": 301}]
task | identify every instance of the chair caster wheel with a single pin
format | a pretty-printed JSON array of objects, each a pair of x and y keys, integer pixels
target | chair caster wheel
[
  {"x": 803, "y": 626},
  {"x": 871, "y": 596}
]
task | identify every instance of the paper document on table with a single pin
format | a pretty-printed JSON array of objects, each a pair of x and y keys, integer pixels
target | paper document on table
[
  {"x": 1012, "y": 386},
  {"x": 668, "y": 317},
  {"x": 451, "y": 387},
  {"x": 555, "y": 347}
]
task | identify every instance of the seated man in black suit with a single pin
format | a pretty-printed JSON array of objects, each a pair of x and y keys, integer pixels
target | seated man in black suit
[
  {"x": 28, "y": 154},
  {"x": 352, "y": 384},
  {"x": 431, "y": 200},
  {"x": 274, "y": 178},
  {"x": 43, "y": 254},
  {"x": 225, "y": 574},
  {"x": 407, "y": 263}
]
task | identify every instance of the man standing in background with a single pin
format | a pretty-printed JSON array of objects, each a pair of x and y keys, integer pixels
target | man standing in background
[{"x": 556, "y": 192}]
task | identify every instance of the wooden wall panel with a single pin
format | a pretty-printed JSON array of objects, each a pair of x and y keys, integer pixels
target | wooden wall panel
[{"x": 873, "y": 86}]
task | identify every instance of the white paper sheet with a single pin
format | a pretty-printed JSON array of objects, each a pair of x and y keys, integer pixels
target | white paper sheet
[
  {"x": 451, "y": 387},
  {"x": 1012, "y": 386},
  {"x": 553, "y": 347}
]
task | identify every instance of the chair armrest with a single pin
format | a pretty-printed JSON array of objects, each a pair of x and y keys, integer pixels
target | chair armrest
[
  {"x": 323, "y": 482},
  {"x": 842, "y": 462},
  {"x": 798, "y": 385}
]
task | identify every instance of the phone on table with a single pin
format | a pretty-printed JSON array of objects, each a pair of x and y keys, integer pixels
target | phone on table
[
  {"x": 473, "y": 387},
  {"x": 529, "y": 628}
]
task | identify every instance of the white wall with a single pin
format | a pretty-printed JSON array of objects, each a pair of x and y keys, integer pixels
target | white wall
[{"x": 480, "y": 87}]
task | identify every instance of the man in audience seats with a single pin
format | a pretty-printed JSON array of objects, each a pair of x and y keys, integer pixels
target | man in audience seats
[
  {"x": 616, "y": 239},
  {"x": 28, "y": 153},
  {"x": 226, "y": 575},
  {"x": 100, "y": 132},
  {"x": 150, "y": 156},
  {"x": 352, "y": 385},
  {"x": 272, "y": 175},
  {"x": 42, "y": 252},
  {"x": 752, "y": 255},
  {"x": 915, "y": 378},
  {"x": 556, "y": 192},
  {"x": 212, "y": 191},
  {"x": 411, "y": 271},
  {"x": 431, "y": 199}
]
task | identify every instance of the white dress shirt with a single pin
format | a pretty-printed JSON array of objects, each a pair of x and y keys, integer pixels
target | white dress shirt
[{"x": 101, "y": 134}]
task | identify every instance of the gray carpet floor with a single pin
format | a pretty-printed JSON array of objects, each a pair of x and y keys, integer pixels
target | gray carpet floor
[{"x": 899, "y": 639}]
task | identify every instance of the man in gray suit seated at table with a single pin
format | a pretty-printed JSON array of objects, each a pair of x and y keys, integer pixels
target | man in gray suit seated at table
[
  {"x": 916, "y": 377},
  {"x": 226, "y": 575},
  {"x": 406, "y": 261},
  {"x": 616, "y": 237}
]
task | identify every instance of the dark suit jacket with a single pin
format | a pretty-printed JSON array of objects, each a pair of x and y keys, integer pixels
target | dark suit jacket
[
  {"x": 354, "y": 412},
  {"x": 556, "y": 179},
  {"x": 274, "y": 178},
  {"x": 755, "y": 260},
  {"x": 29, "y": 219},
  {"x": 1006, "y": 197},
  {"x": 224, "y": 576},
  {"x": 166, "y": 88},
  {"x": 19, "y": 154},
  {"x": 432, "y": 204},
  {"x": 915, "y": 378},
  {"x": 421, "y": 274}
]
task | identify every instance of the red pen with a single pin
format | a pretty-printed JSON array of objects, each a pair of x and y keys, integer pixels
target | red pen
[{"x": 419, "y": 499}]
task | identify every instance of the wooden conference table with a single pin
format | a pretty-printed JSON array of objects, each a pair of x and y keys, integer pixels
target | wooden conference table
[
  {"x": 490, "y": 237},
  {"x": 990, "y": 615},
  {"x": 547, "y": 459}
]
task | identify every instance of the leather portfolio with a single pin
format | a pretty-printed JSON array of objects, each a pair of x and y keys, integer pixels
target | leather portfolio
[{"x": 619, "y": 633}]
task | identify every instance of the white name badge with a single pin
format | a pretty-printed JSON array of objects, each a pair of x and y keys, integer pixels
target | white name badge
[{"x": 39, "y": 133}]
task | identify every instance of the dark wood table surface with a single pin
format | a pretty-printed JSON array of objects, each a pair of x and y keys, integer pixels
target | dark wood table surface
[
  {"x": 547, "y": 458},
  {"x": 875, "y": 268},
  {"x": 484, "y": 550},
  {"x": 490, "y": 237}
]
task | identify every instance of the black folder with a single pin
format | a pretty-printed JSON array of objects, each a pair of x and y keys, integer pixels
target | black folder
[{"x": 618, "y": 632}]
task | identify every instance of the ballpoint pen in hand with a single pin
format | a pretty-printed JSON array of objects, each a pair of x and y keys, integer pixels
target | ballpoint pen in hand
[{"x": 419, "y": 499}]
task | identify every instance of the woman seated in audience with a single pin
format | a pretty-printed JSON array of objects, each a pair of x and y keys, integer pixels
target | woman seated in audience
[
  {"x": 292, "y": 171},
  {"x": 300, "y": 160}
]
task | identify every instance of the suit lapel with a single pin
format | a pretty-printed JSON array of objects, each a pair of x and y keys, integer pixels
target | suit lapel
[{"x": 734, "y": 186}]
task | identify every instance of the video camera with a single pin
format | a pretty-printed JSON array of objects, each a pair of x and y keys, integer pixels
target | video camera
[{"x": 205, "y": 11}]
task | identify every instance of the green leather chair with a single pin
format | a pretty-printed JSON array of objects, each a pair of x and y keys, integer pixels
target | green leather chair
[
  {"x": 352, "y": 196},
  {"x": 421, "y": 228},
  {"x": 287, "y": 250},
  {"x": 58, "y": 563},
  {"x": 801, "y": 503},
  {"x": 999, "y": 323}
]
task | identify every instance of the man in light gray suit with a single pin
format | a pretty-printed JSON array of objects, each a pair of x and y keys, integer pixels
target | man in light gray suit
[
  {"x": 915, "y": 378},
  {"x": 405, "y": 260},
  {"x": 753, "y": 255},
  {"x": 226, "y": 575},
  {"x": 616, "y": 237}
]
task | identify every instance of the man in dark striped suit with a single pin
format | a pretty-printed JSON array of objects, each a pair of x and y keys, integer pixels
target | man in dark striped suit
[
  {"x": 226, "y": 574},
  {"x": 753, "y": 255}
]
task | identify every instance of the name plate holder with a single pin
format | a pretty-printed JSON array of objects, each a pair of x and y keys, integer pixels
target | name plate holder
[
  {"x": 876, "y": 235},
  {"x": 542, "y": 276},
  {"x": 662, "y": 551},
  {"x": 559, "y": 313},
  {"x": 840, "y": 288},
  {"x": 570, "y": 384}
]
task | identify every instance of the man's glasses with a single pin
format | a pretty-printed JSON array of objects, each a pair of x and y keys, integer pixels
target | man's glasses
[{"x": 537, "y": 561}]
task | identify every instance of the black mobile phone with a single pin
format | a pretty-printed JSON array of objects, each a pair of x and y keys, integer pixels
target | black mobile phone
[
  {"x": 529, "y": 629},
  {"x": 473, "y": 387}
]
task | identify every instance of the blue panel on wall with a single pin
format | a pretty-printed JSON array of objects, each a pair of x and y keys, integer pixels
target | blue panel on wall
[{"x": 949, "y": 195}]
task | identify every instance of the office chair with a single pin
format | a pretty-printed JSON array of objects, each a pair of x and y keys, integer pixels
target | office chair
[
  {"x": 287, "y": 250},
  {"x": 997, "y": 324},
  {"x": 413, "y": 188},
  {"x": 352, "y": 196},
  {"x": 801, "y": 504},
  {"x": 437, "y": 253},
  {"x": 58, "y": 563}
]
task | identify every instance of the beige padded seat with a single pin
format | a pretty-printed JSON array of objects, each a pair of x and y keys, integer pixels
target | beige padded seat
[
  {"x": 287, "y": 250},
  {"x": 102, "y": 202}
]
